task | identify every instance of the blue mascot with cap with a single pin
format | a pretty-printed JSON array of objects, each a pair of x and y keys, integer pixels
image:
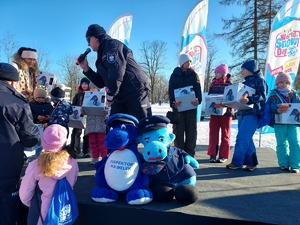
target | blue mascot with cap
[
  {"x": 171, "y": 168},
  {"x": 120, "y": 171}
]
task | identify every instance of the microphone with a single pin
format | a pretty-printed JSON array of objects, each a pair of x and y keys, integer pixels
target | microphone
[{"x": 82, "y": 56}]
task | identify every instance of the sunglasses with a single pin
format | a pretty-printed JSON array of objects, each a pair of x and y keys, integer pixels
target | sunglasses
[{"x": 88, "y": 39}]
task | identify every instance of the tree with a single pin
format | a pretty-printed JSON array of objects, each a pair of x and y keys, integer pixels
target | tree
[
  {"x": 249, "y": 35},
  {"x": 9, "y": 45},
  {"x": 43, "y": 59},
  {"x": 70, "y": 72},
  {"x": 153, "y": 62}
]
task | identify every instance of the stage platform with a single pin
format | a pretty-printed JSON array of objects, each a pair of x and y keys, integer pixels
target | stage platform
[{"x": 266, "y": 196}]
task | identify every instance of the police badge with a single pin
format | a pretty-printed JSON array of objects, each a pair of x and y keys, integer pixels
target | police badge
[{"x": 111, "y": 57}]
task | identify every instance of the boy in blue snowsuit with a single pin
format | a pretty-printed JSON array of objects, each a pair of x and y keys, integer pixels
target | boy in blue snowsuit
[{"x": 244, "y": 150}]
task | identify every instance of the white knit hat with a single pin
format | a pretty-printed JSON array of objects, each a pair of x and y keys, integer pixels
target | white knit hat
[{"x": 183, "y": 58}]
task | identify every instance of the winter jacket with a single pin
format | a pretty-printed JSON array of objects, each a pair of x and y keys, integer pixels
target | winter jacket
[
  {"x": 275, "y": 99},
  {"x": 258, "y": 100},
  {"x": 60, "y": 114},
  {"x": 47, "y": 184},
  {"x": 96, "y": 124},
  {"x": 28, "y": 81},
  {"x": 17, "y": 131},
  {"x": 78, "y": 98},
  {"x": 40, "y": 109},
  {"x": 118, "y": 71},
  {"x": 180, "y": 80},
  {"x": 218, "y": 88}
]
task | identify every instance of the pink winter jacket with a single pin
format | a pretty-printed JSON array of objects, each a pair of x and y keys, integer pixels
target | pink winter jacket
[{"x": 69, "y": 170}]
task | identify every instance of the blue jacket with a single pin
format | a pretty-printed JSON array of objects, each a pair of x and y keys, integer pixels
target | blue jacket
[
  {"x": 275, "y": 99},
  {"x": 17, "y": 131},
  {"x": 259, "y": 98}
]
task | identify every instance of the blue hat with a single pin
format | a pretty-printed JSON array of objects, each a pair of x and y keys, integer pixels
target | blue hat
[
  {"x": 251, "y": 65},
  {"x": 84, "y": 79},
  {"x": 122, "y": 117},
  {"x": 153, "y": 123}
]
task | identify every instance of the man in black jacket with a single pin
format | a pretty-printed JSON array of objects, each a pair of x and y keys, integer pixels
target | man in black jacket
[
  {"x": 186, "y": 130},
  {"x": 17, "y": 131},
  {"x": 127, "y": 85}
]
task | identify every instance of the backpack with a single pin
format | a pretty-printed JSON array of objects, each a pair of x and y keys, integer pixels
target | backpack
[
  {"x": 266, "y": 117},
  {"x": 63, "y": 208}
]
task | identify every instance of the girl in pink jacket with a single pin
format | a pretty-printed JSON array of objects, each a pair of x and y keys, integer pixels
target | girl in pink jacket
[{"x": 53, "y": 164}]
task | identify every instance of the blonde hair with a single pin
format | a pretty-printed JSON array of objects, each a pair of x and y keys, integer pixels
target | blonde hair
[{"x": 49, "y": 162}]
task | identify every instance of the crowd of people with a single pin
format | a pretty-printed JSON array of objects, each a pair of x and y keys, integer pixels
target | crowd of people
[{"x": 34, "y": 118}]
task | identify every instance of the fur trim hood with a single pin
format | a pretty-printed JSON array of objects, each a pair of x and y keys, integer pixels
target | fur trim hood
[{"x": 22, "y": 65}]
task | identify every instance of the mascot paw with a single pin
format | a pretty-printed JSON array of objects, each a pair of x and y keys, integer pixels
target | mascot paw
[
  {"x": 103, "y": 195},
  {"x": 162, "y": 193},
  {"x": 139, "y": 197},
  {"x": 190, "y": 160},
  {"x": 186, "y": 194}
]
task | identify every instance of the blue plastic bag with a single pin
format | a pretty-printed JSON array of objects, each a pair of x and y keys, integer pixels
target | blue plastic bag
[{"x": 63, "y": 208}]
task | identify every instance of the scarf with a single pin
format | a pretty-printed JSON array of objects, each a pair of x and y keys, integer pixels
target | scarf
[{"x": 283, "y": 91}]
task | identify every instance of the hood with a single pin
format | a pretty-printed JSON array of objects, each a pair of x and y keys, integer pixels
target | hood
[{"x": 64, "y": 169}]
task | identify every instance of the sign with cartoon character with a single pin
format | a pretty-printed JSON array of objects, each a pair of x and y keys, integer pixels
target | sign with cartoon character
[
  {"x": 46, "y": 79},
  {"x": 234, "y": 93},
  {"x": 214, "y": 105},
  {"x": 184, "y": 97},
  {"x": 291, "y": 116},
  {"x": 94, "y": 102},
  {"x": 76, "y": 120}
]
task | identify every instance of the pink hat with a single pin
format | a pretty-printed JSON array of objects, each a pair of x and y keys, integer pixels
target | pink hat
[
  {"x": 54, "y": 138},
  {"x": 283, "y": 77},
  {"x": 222, "y": 69}
]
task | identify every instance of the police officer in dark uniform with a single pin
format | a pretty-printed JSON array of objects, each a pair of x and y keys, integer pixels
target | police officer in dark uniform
[
  {"x": 127, "y": 85},
  {"x": 17, "y": 131}
]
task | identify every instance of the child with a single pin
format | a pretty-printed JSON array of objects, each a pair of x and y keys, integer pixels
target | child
[
  {"x": 220, "y": 81},
  {"x": 40, "y": 111},
  {"x": 62, "y": 109},
  {"x": 287, "y": 135},
  {"x": 244, "y": 150},
  {"x": 53, "y": 164},
  {"x": 76, "y": 133},
  {"x": 96, "y": 131}
]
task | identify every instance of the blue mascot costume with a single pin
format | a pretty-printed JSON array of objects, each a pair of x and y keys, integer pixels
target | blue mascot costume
[
  {"x": 120, "y": 171},
  {"x": 171, "y": 168}
]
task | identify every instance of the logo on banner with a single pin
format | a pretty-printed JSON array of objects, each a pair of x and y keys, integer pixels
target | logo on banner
[
  {"x": 196, "y": 54},
  {"x": 287, "y": 43}
]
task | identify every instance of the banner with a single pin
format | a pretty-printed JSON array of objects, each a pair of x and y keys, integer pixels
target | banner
[
  {"x": 283, "y": 51},
  {"x": 121, "y": 28},
  {"x": 193, "y": 42}
]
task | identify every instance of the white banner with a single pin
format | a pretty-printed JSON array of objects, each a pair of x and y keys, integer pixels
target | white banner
[{"x": 121, "y": 28}]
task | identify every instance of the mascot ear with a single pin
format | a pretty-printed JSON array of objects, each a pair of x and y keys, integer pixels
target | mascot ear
[{"x": 172, "y": 137}]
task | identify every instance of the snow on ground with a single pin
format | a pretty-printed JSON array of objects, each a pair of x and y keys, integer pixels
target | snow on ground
[{"x": 267, "y": 140}]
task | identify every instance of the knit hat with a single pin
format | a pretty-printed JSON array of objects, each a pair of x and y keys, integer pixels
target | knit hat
[
  {"x": 84, "y": 79},
  {"x": 251, "y": 65},
  {"x": 54, "y": 138},
  {"x": 283, "y": 77},
  {"x": 183, "y": 58},
  {"x": 40, "y": 92},
  {"x": 95, "y": 30},
  {"x": 222, "y": 69},
  {"x": 58, "y": 93},
  {"x": 8, "y": 72}
]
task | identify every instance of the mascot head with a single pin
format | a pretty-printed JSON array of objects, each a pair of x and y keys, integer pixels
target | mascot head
[
  {"x": 155, "y": 137},
  {"x": 122, "y": 131}
]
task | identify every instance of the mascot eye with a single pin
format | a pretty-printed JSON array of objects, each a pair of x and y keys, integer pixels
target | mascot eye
[
  {"x": 123, "y": 126},
  {"x": 111, "y": 129},
  {"x": 161, "y": 138},
  {"x": 147, "y": 140}
]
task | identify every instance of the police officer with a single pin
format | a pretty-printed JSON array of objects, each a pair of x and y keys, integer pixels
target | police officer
[
  {"x": 127, "y": 85},
  {"x": 17, "y": 131}
]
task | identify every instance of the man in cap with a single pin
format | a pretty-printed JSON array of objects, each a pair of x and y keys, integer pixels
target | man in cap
[
  {"x": 17, "y": 131},
  {"x": 127, "y": 85}
]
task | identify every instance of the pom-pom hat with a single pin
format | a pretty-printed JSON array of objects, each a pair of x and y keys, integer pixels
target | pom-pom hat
[
  {"x": 222, "y": 69},
  {"x": 54, "y": 138},
  {"x": 283, "y": 77}
]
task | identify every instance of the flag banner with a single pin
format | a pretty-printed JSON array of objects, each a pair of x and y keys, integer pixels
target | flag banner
[
  {"x": 193, "y": 42},
  {"x": 121, "y": 28},
  {"x": 283, "y": 51}
]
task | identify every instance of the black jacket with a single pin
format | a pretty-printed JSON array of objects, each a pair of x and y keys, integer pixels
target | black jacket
[
  {"x": 180, "y": 80},
  {"x": 40, "y": 109},
  {"x": 17, "y": 131},
  {"x": 118, "y": 71},
  {"x": 78, "y": 99}
]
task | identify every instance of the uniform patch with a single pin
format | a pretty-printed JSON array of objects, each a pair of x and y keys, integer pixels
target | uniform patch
[{"x": 111, "y": 57}]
